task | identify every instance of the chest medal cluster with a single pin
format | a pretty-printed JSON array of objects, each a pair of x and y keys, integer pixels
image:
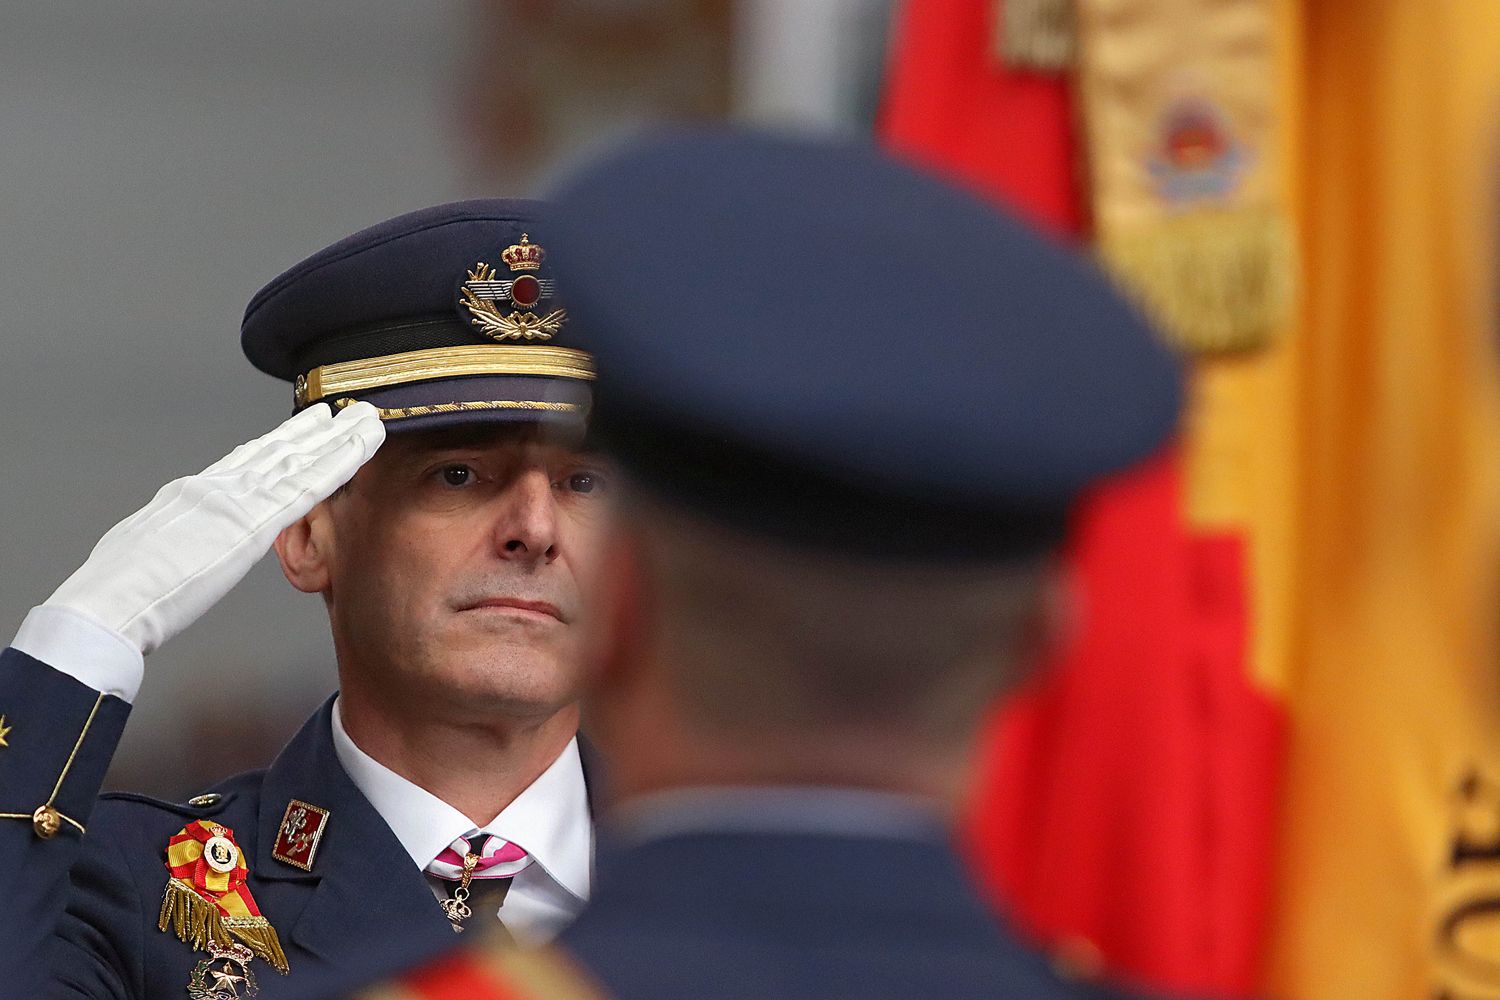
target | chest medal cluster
[{"x": 208, "y": 905}]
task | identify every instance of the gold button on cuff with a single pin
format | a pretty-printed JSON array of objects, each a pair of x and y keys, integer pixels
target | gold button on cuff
[
  {"x": 46, "y": 821},
  {"x": 203, "y": 801}
]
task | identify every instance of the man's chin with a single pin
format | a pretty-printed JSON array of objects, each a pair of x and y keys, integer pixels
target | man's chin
[{"x": 511, "y": 683}]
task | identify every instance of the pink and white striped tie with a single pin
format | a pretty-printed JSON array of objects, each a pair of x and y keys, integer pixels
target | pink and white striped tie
[
  {"x": 498, "y": 858},
  {"x": 490, "y": 860}
]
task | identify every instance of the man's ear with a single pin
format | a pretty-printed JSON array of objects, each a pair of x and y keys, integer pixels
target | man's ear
[
  {"x": 1058, "y": 617},
  {"x": 305, "y": 548}
]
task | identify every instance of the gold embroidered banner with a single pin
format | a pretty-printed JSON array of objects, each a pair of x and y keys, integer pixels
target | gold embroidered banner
[
  {"x": 1034, "y": 34},
  {"x": 1176, "y": 102}
]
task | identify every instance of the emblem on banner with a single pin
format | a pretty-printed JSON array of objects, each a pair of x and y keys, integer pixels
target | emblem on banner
[
  {"x": 1197, "y": 157},
  {"x": 302, "y": 826},
  {"x": 485, "y": 294}
]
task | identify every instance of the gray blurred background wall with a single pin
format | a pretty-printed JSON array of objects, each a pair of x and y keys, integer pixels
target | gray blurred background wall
[{"x": 160, "y": 160}]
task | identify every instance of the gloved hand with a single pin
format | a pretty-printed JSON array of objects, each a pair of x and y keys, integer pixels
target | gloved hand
[{"x": 153, "y": 574}]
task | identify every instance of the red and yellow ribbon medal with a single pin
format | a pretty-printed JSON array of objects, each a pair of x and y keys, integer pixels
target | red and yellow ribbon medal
[{"x": 207, "y": 901}]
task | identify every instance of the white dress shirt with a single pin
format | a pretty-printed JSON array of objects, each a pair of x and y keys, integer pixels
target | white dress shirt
[{"x": 549, "y": 820}]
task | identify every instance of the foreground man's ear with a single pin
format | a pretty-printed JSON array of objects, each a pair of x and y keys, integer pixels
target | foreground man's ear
[
  {"x": 304, "y": 548},
  {"x": 616, "y": 630}
]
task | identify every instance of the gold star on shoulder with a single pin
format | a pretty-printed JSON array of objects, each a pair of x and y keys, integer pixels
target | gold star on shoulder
[{"x": 4, "y": 731}]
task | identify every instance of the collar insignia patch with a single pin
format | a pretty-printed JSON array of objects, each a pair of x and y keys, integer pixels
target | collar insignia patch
[
  {"x": 485, "y": 295},
  {"x": 302, "y": 826}
]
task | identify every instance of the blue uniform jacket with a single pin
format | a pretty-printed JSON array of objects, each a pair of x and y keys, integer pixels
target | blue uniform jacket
[
  {"x": 759, "y": 916},
  {"x": 81, "y": 911},
  {"x": 798, "y": 915}
]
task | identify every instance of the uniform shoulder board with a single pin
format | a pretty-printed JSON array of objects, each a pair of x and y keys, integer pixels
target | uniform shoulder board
[{"x": 496, "y": 971}]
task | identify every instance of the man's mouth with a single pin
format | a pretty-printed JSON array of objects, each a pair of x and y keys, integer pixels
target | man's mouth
[{"x": 516, "y": 605}]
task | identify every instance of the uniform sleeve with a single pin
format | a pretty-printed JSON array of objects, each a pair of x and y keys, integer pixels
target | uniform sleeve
[
  {"x": 58, "y": 737},
  {"x": 97, "y": 950}
]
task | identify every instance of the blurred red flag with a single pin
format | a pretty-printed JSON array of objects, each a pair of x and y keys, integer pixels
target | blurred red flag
[{"x": 1125, "y": 811}]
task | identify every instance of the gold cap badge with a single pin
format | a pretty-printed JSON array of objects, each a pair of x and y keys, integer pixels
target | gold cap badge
[{"x": 484, "y": 291}]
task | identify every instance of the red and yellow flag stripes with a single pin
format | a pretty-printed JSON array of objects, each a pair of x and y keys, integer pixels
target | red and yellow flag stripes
[
  {"x": 1124, "y": 808},
  {"x": 1321, "y": 550},
  {"x": 207, "y": 900}
]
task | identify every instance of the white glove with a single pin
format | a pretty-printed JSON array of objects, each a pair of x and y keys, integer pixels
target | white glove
[{"x": 153, "y": 574}]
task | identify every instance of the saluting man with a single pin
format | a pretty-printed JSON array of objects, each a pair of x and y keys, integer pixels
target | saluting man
[
  {"x": 434, "y": 488},
  {"x": 847, "y": 449}
]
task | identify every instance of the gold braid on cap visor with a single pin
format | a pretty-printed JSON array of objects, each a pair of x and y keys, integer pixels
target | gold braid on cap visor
[{"x": 365, "y": 374}]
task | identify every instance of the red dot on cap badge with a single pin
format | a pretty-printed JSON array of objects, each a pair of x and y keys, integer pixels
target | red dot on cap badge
[{"x": 526, "y": 291}]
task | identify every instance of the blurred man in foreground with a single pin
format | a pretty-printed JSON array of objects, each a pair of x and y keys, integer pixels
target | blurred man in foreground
[
  {"x": 443, "y": 787},
  {"x": 851, "y": 406}
]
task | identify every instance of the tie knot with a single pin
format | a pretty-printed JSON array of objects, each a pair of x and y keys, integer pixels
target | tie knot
[{"x": 495, "y": 857}]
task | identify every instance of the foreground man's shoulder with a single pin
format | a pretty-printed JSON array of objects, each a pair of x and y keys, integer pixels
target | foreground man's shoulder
[{"x": 495, "y": 971}]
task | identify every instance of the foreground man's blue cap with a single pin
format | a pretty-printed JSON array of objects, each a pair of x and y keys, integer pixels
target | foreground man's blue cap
[{"x": 806, "y": 339}]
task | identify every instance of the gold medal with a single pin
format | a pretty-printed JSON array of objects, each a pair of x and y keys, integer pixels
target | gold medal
[{"x": 221, "y": 854}]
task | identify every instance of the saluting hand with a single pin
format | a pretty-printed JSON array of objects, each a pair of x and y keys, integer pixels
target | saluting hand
[{"x": 153, "y": 574}]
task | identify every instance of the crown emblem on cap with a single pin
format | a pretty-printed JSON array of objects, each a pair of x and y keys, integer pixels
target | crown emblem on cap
[{"x": 523, "y": 256}]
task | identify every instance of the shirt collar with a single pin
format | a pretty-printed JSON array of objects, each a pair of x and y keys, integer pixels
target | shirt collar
[{"x": 550, "y": 818}]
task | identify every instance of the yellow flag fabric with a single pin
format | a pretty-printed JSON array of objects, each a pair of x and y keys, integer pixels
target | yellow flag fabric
[{"x": 1367, "y": 450}]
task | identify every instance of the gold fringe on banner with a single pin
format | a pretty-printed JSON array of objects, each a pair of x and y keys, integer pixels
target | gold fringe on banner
[
  {"x": 196, "y": 922},
  {"x": 1035, "y": 34},
  {"x": 1217, "y": 282},
  {"x": 1176, "y": 101}
]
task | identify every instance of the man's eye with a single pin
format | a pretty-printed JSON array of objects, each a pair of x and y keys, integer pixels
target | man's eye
[
  {"x": 586, "y": 482},
  {"x": 458, "y": 475}
]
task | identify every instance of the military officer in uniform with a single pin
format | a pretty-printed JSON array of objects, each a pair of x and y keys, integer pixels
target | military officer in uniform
[
  {"x": 851, "y": 406},
  {"x": 433, "y": 489}
]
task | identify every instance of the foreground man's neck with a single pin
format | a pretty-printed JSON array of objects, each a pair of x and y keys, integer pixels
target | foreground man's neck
[
  {"x": 878, "y": 763},
  {"x": 477, "y": 767}
]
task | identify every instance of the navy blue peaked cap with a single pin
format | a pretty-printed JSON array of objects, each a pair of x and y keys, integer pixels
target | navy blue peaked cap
[
  {"x": 442, "y": 316},
  {"x": 807, "y": 339}
]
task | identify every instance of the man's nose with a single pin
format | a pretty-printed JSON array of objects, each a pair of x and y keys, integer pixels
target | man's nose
[{"x": 526, "y": 527}]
